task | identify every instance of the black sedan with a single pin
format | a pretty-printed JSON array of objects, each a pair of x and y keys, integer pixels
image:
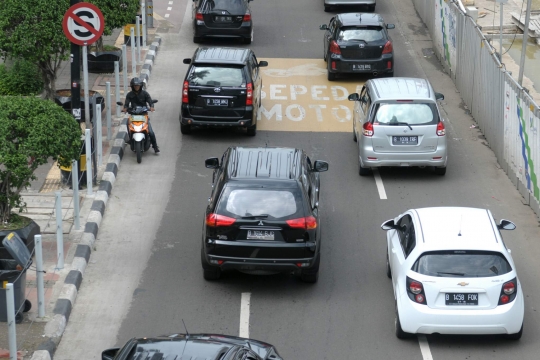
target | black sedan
[
  {"x": 222, "y": 19},
  {"x": 193, "y": 346},
  {"x": 358, "y": 43}
]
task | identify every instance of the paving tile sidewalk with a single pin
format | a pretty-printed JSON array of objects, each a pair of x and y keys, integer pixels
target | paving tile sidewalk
[{"x": 40, "y": 199}]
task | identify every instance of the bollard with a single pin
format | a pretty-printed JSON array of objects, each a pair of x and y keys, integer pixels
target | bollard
[
  {"x": 138, "y": 24},
  {"x": 124, "y": 59},
  {"x": 117, "y": 86},
  {"x": 88, "y": 141},
  {"x": 133, "y": 60},
  {"x": 39, "y": 276},
  {"x": 12, "y": 331},
  {"x": 108, "y": 106},
  {"x": 143, "y": 13},
  {"x": 85, "y": 82},
  {"x": 59, "y": 232},
  {"x": 150, "y": 14},
  {"x": 98, "y": 135},
  {"x": 75, "y": 186}
]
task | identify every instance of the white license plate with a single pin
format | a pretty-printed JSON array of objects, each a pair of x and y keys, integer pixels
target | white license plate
[
  {"x": 217, "y": 102},
  {"x": 461, "y": 298},
  {"x": 361, "y": 67},
  {"x": 405, "y": 140},
  {"x": 260, "y": 235},
  {"x": 223, "y": 18}
]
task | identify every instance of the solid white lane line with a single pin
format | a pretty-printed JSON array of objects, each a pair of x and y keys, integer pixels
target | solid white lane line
[
  {"x": 170, "y": 2},
  {"x": 424, "y": 347},
  {"x": 244, "y": 315},
  {"x": 379, "y": 183},
  {"x": 166, "y": 15},
  {"x": 169, "y": 8}
]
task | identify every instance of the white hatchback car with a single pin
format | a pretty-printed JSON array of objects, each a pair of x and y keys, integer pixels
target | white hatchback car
[{"x": 452, "y": 273}]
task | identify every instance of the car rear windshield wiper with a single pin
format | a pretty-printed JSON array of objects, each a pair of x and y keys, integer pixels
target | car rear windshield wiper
[
  {"x": 450, "y": 273},
  {"x": 261, "y": 216},
  {"x": 400, "y": 123}
]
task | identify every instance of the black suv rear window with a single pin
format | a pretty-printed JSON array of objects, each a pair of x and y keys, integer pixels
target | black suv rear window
[
  {"x": 276, "y": 203},
  {"x": 207, "y": 75},
  {"x": 406, "y": 112},
  {"x": 366, "y": 33},
  {"x": 460, "y": 263}
]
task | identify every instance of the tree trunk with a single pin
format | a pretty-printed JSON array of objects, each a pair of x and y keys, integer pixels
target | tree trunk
[
  {"x": 48, "y": 74},
  {"x": 99, "y": 44}
]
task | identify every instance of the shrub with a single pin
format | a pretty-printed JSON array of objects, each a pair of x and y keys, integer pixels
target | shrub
[{"x": 21, "y": 78}]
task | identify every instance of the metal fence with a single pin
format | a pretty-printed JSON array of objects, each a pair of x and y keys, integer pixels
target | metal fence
[{"x": 504, "y": 111}]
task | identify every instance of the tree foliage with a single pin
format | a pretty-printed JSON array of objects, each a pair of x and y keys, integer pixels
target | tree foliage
[
  {"x": 20, "y": 78},
  {"x": 31, "y": 131},
  {"x": 32, "y": 30}
]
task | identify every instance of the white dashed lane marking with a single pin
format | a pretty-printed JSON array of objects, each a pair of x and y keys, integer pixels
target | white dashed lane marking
[
  {"x": 244, "y": 315},
  {"x": 166, "y": 15},
  {"x": 169, "y": 8},
  {"x": 379, "y": 183}
]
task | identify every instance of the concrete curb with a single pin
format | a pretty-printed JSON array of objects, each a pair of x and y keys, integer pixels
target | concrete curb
[{"x": 54, "y": 329}]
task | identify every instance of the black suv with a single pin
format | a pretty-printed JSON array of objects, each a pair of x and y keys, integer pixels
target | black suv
[
  {"x": 263, "y": 213},
  {"x": 358, "y": 43},
  {"x": 222, "y": 19},
  {"x": 222, "y": 88}
]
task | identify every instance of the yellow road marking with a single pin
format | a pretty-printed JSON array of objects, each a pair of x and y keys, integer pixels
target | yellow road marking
[{"x": 297, "y": 96}]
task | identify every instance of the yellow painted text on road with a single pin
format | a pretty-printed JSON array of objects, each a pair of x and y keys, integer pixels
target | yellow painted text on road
[{"x": 297, "y": 96}]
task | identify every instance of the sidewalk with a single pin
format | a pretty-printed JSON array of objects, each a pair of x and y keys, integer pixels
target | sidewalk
[{"x": 40, "y": 199}]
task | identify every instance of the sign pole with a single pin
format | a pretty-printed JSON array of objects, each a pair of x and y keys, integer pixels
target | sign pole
[
  {"x": 525, "y": 40},
  {"x": 75, "y": 77},
  {"x": 85, "y": 84}
]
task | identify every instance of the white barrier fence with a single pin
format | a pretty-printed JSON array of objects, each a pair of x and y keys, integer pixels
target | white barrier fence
[{"x": 504, "y": 111}]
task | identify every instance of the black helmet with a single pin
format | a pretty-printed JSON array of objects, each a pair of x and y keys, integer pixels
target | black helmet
[{"x": 135, "y": 81}]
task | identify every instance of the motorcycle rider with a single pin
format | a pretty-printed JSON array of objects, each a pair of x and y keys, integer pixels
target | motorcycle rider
[{"x": 139, "y": 97}]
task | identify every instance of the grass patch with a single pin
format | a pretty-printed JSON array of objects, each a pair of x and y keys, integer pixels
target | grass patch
[{"x": 17, "y": 222}]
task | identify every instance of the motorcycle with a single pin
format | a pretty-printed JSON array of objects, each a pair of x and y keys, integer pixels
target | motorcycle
[{"x": 139, "y": 136}]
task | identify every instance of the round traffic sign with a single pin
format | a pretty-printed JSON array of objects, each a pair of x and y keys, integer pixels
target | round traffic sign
[{"x": 83, "y": 23}]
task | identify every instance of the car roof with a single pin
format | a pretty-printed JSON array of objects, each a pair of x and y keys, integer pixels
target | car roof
[
  {"x": 402, "y": 88},
  {"x": 221, "y": 55},
  {"x": 264, "y": 163},
  {"x": 351, "y": 19},
  {"x": 449, "y": 228}
]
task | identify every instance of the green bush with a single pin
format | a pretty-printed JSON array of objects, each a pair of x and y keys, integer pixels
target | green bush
[{"x": 21, "y": 78}]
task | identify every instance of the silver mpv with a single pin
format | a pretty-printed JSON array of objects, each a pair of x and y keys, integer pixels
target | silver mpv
[{"x": 397, "y": 123}]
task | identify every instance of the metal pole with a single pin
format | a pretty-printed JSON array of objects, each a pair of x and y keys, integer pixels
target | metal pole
[
  {"x": 99, "y": 136},
  {"x": 75, "y": 185},
  {"x": 501, "y": 31},
  {"x": 85, "y": 84},
  {"x": 133, "y": 60},
  {"x": 143, "y": 15},
  {"x": 88, "y": 140},
  {"x": 12, "y": 332},
  {"x": 117, "y": 85},
  {"x": 108, "y": 105},
  {"x": 75, "y": 76},
  {"x": 39, "y": 276},
  {"x": 124, "y": 67},
  {"x": 59, "y": 232},
  {"x": 150, "y": 14},
  {"x": 138, "y": 32},
  {"x": 525, "y": 40}
]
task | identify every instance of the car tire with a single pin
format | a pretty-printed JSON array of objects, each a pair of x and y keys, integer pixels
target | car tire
[
  {"x": 354, "y": 134},
  {"x": 211, "y": 274},
  {"x": 327, "y": 8},
  {"x": 247, "y": 40},
  {"x": 362, "y": 171},
  {"x": 440, "y": 170},
  {"x": 331, "y": 76},
  {"x": 389, "y": 74},
  {"x": 325, "y": 57},
  {"x": 371, "y": 8},
  {"x": 185, "y": 129},
  {"x": 312, "y": 275},
  {"x": 515, "y": 336},
  {"x": 388, "y": 269},
  {"x": 196, "y": 39},
  {"x": 252, "y": 130},
  {"x": 400, "y": 334}
]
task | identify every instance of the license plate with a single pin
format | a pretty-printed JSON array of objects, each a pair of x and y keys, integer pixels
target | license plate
[
  {"x": 217, "y": 102},
  {"x": 361, "y": 67},
  {"x": 260, "y": 235},
  {"x": 223, "y": 18},
  {"x": 405, "y": 140},
  {"x": 461, "y": 298}
]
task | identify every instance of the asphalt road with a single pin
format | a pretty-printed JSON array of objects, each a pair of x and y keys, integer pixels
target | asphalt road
[{"x": 145, "y": 275}]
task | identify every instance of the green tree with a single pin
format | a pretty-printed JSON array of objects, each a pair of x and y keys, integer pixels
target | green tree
[
  {"x": 116, "y": 13},
  {"x": 32, "y": 130},
  {"x": 32, "y": 30}
]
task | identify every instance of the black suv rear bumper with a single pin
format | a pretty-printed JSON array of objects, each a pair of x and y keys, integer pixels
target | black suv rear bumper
[
  {"x": 251, "y": 264},
  {"x": 216, "y": 122}
]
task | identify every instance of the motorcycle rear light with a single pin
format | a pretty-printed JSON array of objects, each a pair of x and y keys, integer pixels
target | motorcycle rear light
[
  {"x": 185, "y": 90},
  {"x": 199, "y": 16},
  {"x": 415, "y": 291},
  {"x": 216, "y": 220},
  {"x": 247, "y": 17},
  {"x": 249, "y": 96},
  {"x": 334, "y": 48},
  {"x": 441, "y": 131},
  {"x": 307, "y": 223},
  {"x": 388, "y": 48},
  {"x": 508, "y": 292},
  {"x": 367, "y": 129}
]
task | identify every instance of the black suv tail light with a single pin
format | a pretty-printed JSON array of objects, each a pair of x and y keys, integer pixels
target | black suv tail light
[
  {"x": 415, "y": 290},
  {"x": 216, "y": 220},
  {"x": 508, "y": 292},
  {"x": 185, "y": 98},
  {"x": 199, "y": 16},
  {"x": 247, "y": 17},
  {"x": 249, "y": 95},
  {"x": 306, "y": 223}
]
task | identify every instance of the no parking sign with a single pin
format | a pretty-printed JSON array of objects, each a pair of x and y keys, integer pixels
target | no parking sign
[{"x": 83, "y": 24}]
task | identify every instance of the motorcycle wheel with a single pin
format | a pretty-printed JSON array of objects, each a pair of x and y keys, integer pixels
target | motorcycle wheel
[{"x": 138, "y": 151}]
